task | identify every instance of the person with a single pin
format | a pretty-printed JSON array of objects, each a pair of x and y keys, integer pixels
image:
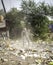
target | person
[{"x": 25, "y": 37}]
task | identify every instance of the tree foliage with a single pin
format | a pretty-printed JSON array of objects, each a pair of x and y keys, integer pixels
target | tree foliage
[
  {"x": 36, "y": 16},
  {"x": 2, "y": 12},
  {"x": 14, "y": 17}
]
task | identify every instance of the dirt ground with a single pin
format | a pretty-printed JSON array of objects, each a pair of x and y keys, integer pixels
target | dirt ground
[{"x": 15, "y": 54}]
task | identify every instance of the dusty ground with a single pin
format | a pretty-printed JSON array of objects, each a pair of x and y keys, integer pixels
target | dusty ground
[{"x": 17, "y": 54}]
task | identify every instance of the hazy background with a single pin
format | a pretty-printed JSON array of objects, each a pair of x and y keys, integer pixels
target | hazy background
[{"x": 16, "y": 3}]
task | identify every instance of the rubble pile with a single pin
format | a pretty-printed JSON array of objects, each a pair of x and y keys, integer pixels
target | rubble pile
[{"x": 42, "y": 54}]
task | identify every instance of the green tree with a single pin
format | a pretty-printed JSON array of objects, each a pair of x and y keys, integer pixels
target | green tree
[
  {"x": 36, "y": 16},
  {"x": 14, "y": 18},
  {"x": 43, "y": 8},
  {"x": 2, "y": 12},
  {"x": 28, "y": 6},
  {"x": 51, "y": 10}
]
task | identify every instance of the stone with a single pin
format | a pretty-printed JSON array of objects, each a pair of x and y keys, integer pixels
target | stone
[
  {"x": 1, "y": 49},
  {"x": 3, "y": 60}
]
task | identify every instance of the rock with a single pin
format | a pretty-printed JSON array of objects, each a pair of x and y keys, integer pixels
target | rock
[
  {"x": 23, "y": 57},
  {"x": 36, "y": 56},
  {"x": 22, "y": 51},
  {"x": 28, "y": 55},
  {"x": 12, "y": 49},
  {"x": 47, "y": 50},
  {"x": 34, "y": 50},
  {"x": 1, "y": 49},
  {"x": 19, "y": 63},
  {"x": 51, "y": 57},
  {"x": 4, "y": 60}
]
